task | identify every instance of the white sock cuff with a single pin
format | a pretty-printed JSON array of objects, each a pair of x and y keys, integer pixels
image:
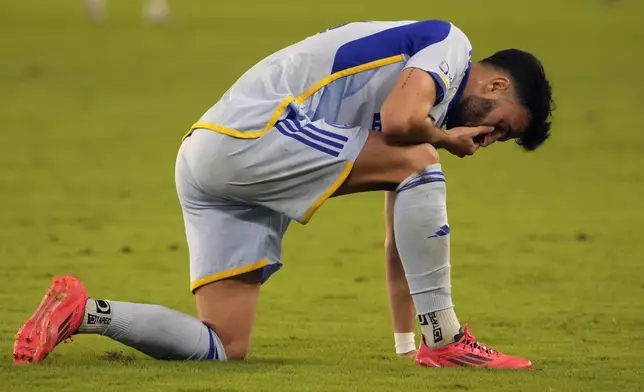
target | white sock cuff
[
  {"x": 97, "y": 317},
  {"x": 432, "y": 173}
]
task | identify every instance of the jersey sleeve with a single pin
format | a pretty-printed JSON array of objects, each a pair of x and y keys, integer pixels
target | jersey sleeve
[{"x": 444, "y": 60}]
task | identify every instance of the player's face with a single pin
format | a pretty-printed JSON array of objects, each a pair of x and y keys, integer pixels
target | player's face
[
  {"x": 470, "y": 111},
  {"x": 507, "y": 116}
]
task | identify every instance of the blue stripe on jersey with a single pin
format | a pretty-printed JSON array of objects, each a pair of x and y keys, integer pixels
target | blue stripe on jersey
[
  {"x": 328, "y": 133},
  {"x": 292, "y": 127},
  {"x": 282, "y": 128},
  {"x": 408, "y": 39}
]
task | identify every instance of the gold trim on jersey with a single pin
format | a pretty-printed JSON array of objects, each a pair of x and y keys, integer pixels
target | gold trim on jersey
[
  {"x": 228, "y": 274},
  {"x": 328, "y": 193},
  {"x": 299, "y": 100},
  {"x": 445, "y": 82}
]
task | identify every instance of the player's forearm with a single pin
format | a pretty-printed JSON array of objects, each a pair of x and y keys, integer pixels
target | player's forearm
[
  {"x": 435, "y": 136},
  {"x": 413, "y": 131}
]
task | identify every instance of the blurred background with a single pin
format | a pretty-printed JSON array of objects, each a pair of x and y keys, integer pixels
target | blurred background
[{"x": 95, "y": 97}]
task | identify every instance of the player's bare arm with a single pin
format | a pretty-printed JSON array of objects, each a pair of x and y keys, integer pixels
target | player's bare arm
[
  {"x": 405, "y": 113},
  {"x": 405, "y": 117}
]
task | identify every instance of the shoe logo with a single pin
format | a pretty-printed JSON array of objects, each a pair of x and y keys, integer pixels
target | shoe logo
[
  {"x": 478, "y": 357},
  {"x": 94, "y": 319},
  {"x": 63, "y": 328},
  {"x": 430, "y": 318},
  {"x": 469, "y": 360},
  {"x": 103, "y": 307},
  {"x": 443, "y": 231},
  {"x": 65, "y": 324}
]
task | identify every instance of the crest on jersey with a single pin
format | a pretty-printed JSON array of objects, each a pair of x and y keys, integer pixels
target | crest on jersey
[{"x": 443, "y": 66}]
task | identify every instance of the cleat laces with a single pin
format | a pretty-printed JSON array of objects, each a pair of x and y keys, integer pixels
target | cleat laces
[{"x": 469, "y": 341}]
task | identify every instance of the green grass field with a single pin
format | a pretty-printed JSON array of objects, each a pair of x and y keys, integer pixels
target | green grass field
[{"x": 547, "y": 257}]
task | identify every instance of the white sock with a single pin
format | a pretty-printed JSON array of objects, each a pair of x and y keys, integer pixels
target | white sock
[
  {"x": 440, "y": 327},
  {"x": 423, "y": 240},
  {"x": 98, "y": 316},
  {"x": 157, "y": 331},
  {"x": 405, "y": 342}
]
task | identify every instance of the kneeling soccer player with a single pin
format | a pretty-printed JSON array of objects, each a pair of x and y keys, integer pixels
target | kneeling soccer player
[{"x": 353, "y": 109}]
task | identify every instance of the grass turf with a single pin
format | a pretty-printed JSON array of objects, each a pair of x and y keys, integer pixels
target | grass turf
[{"x": 546, "y": 255}]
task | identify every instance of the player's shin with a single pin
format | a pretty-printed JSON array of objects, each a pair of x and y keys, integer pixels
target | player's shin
[
  {"x": 422, "y": 237},
  {"x": 157, "y": 331}
]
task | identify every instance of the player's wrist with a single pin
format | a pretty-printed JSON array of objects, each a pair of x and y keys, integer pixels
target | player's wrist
[
  {"x": 405, "y": 342},
  {"x": 439, "y": 138}
]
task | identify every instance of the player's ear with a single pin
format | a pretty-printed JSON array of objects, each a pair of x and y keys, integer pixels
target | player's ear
[{"x": 499, "y": 84}]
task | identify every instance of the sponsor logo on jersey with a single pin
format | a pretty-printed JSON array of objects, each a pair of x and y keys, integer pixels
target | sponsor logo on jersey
[{"x": 443, "y": 66}]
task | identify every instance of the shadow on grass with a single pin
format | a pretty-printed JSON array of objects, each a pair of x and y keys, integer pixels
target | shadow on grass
[
  {"x": 253, "y": 364},
  {"x": 118, "y": 357}
]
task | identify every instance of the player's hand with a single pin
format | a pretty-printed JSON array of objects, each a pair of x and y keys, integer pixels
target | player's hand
[{"x": 463, "y": 141}]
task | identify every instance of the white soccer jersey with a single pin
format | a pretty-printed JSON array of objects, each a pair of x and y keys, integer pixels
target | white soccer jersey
[{"x": 342, "y": 75}]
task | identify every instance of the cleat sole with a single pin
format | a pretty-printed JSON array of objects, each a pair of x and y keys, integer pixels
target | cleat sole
[{"x": 40, "y": 334}]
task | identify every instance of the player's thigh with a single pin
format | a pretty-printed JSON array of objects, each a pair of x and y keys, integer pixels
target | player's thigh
[
  {"x": 226, "y": 237},
  {"x": 234, "y": 247},
  {"x": 381, "y": 166},
  {"x": 297, "y": 165}
]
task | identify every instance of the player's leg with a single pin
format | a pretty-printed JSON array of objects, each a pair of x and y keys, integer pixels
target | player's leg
[
  {"x": 155, "y": 330},
  {"x": 422, "y": 238},
  {"x": 234, "y": 247},
  {"x": 226, "y": 291},
  {"x": 401, "y": 305},
  {"x": 425, "y": 256},
  {"x": 228, "y": 306},
  {"x": 321, "y": 156},
  {"x": 226, "y": 312}
]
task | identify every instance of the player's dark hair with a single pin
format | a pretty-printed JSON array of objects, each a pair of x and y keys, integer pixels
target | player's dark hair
[{"x": 532, "y": 89}]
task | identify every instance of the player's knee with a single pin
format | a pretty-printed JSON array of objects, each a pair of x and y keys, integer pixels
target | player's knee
[
  {"x": 236, "y": 351},
  {"x": 410, "y": 161},
  {"x": 236, "y": 345},
  {"x": 419, "y": 157}
]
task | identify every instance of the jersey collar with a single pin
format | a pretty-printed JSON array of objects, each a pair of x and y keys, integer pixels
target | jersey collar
[{"x": 459, "y": 92}]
